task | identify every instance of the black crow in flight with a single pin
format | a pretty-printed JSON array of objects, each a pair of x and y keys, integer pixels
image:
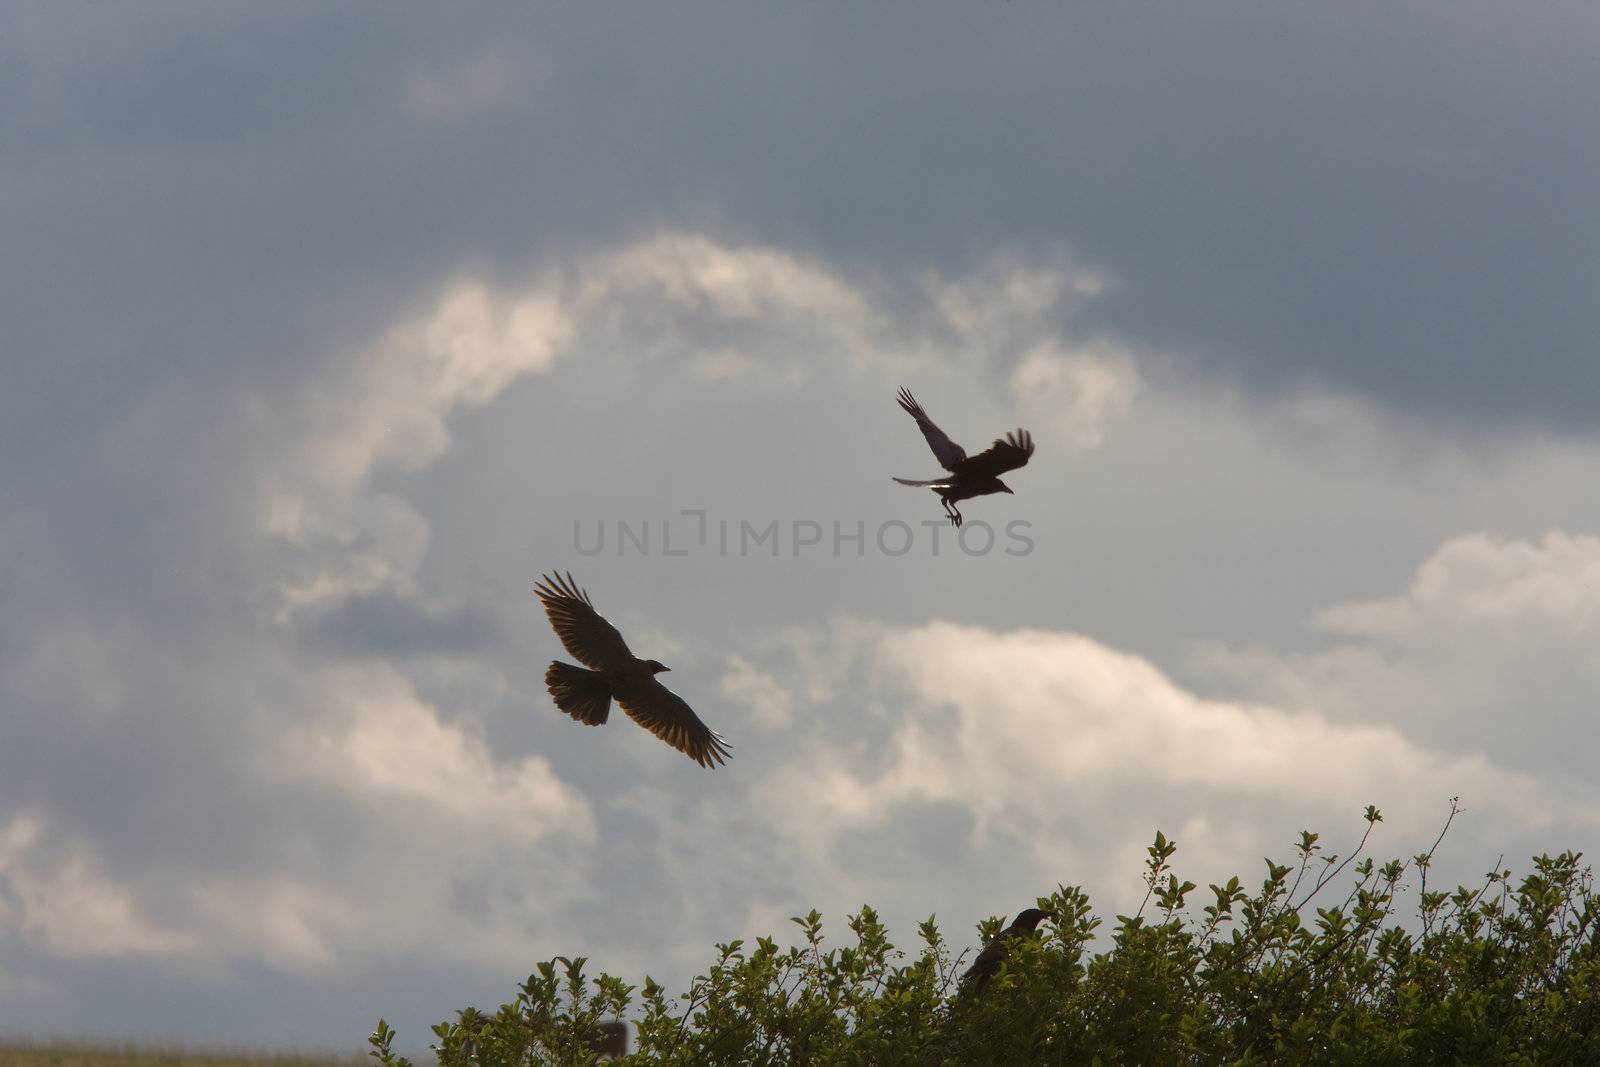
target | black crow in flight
[
  {"x": 614, "y": 671},
  {"x": 969, "y": 476},
  {"x": 998, "y": 951}
]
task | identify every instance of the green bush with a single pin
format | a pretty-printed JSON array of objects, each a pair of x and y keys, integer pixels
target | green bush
[{"x": 1501, "y": 973}]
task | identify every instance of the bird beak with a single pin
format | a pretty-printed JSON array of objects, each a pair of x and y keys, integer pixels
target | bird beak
[
  {"x": 1007, "y": 488},
  {"x": 664, "y": 667}
]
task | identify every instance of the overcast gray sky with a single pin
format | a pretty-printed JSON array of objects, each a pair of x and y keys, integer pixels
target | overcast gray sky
[{"x": 327, "y": 329}]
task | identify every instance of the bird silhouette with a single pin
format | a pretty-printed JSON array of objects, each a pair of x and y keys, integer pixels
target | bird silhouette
[
  {"x": 613, "y": 671},
  {"x": 998, "y": 951},
  {"x": 969, "y": 476}
]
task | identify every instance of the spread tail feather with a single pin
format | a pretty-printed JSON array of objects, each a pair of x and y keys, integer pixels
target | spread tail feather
[{"x": 581, "y": 693}]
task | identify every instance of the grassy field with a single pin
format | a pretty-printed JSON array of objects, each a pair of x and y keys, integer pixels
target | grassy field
[{"x": 14, "y": 1053}]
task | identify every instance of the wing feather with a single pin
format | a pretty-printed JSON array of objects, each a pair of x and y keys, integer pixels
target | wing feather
[
  {"x": 584, "y": 632},
  {"x": 666, "y": 714},
  {"x": 946, "y": 451},
  {"x": 1006, "y": 454}
]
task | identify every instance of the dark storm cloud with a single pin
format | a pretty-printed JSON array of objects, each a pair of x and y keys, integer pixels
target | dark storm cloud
[{"x": 1393, "y": 200}]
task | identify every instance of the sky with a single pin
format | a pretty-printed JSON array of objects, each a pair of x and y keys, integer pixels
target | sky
[{"x": 329, "y": 329}]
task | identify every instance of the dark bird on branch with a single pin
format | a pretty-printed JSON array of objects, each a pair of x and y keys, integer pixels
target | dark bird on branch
[
  {"x": 998, "y": 951},
  {"x": 608, "y": 1038},
  {"x": 615, "y": 672},
  {"x": 969, "y": 476}
]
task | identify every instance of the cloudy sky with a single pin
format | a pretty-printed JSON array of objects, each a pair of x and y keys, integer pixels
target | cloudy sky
[{"x": 328, "y": 329}]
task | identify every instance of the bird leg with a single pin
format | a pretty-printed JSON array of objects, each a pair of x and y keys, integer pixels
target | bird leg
[{"x": 952, "y": 511}]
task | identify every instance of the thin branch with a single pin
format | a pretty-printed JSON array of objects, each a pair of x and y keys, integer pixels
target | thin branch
[{"x": 1329, "y": 876}]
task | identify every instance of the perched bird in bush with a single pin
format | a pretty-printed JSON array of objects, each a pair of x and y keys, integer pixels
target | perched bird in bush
[
  {"x": 969, "y": 476},
  {"x": 613, "y": 671},
  {"x": 609, "y": 1038},
  {"x": 998, "y": 951}
]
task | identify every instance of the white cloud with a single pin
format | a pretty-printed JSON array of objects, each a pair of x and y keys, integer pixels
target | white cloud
[
  {"x": 381, "y": 744},
  {"x": 1007, "y": 301},
  {"x": 390, "y": 403},
  {"x": 292, "y": 924},
  {"x": 425, "y": 808},
  {"x": 1079, "y": 390},
  {"x": 758, "y": 692},
  {"x": 59, "y": 895},
  {"x": 1490, "y": 649},
  {"x": 674, "y": 293},
  {"x": 695, "y": 273},
  {"x": 1034, "y": 705},
  {"x": 1055, "y": 758},
  {"x": 387, "y": 404},
  {"x": 1511, "y": 589}
]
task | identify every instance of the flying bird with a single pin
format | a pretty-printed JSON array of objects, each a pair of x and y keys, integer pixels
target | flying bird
[
  {"x": 998, "y": 951},
  {"x": 613, "y": 671},
  {"x": 969, "y": 476}
]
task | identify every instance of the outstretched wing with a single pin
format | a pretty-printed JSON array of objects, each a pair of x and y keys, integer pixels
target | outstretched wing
[
  {"x": 665, "y": 714},
  {"x": 591, "y": 640},
  {"x": 946, "y": 451},
  {"x": 1006, "y": 454}
]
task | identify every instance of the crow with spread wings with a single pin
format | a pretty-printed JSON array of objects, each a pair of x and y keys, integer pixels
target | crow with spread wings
[
  {"x": 969, "y": 476},
  {"x": 613, "y": 671}
]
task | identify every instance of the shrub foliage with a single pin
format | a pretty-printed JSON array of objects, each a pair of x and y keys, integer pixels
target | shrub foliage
[{"x": 1503, "y": 972}]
